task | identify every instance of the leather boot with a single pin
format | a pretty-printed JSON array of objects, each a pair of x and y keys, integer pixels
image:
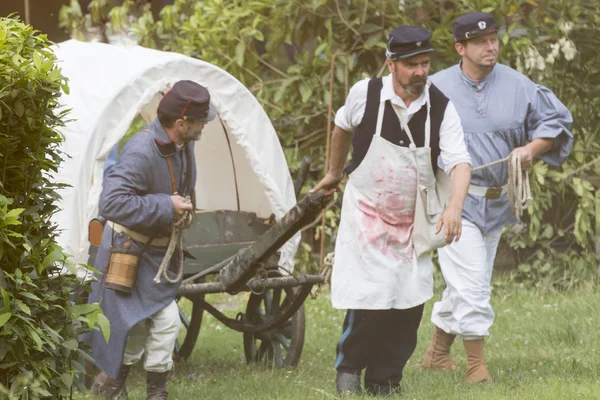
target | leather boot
[
  {"x": 156, "y": 385},
  {"x": 111, "y": 389},
  {"x": 476, "y": 369},
  {"x": 347, "y": 384},
  {"x": 438, "y": 353}
]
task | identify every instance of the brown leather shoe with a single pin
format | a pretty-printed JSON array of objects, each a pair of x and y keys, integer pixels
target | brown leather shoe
[
  {"x": 476, "y": 369},
  {"x": 111, "y": 389},
  {"x": 438, "y": 353},
  {"x": 156, "y": 385}
]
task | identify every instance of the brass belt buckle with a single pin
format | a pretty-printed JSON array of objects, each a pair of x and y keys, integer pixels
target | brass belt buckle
[{"x": 493, "y": 193}]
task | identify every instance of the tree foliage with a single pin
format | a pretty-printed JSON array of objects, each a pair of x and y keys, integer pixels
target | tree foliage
[
  {"x": 289, "y": 53},
  {"x": 38, "y": 345}
]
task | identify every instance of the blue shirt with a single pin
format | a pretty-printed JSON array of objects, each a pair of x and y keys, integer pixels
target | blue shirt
[{"x": 498, "y": 114}]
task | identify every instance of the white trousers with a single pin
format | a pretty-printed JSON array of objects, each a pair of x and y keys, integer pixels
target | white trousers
[
  {"x": 155, "y": 338},
  {"x": 467, "y": 269}
]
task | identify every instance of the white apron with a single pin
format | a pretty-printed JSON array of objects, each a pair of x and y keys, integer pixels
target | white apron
[{"x": 375, "y": 266}]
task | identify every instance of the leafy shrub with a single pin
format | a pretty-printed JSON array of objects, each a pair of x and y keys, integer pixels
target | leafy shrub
[{"x": 38, "y": 337}]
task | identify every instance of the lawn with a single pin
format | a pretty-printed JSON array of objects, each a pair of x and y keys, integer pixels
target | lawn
[{"x": 543, "y": 346}]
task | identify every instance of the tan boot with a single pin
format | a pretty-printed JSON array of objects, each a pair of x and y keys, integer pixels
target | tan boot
[
  {"x": 476, "y": 369},
  {"x": 438, "y": 353}
]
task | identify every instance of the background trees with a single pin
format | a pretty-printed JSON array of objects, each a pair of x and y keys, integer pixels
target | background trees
[{"x": 300, "y": 57}]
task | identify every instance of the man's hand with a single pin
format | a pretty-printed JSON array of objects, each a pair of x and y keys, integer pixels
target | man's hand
[
  {"x": 180, "y": 205},
  {"x": 328, "y": 184},
  {"x": 526, "y": 156},
  {"x": 532, "y": 150},
  {"x": 451, "y": 221}
]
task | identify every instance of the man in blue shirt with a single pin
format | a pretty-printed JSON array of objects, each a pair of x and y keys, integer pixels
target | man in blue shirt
[{"x": 501, "y": 111}]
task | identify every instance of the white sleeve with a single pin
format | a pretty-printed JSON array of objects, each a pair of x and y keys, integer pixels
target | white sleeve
[
  {"x": 350, "y": 115},
  {"x": 453, "y": 149}
]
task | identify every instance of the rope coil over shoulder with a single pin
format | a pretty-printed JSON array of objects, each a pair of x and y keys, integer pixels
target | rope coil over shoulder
[{"x": 519, "y": 191}]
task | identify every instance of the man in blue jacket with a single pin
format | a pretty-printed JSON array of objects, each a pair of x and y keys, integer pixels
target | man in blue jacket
[{"x": 143, "y": 194}]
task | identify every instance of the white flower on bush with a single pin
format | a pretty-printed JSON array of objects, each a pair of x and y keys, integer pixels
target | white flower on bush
[
  {"x": 520, "y": 66},
  {"x": 568, "y": 48},
  {"x": 555, "y": 47},
  {"x": 539, "y": 62},
  {"x": 533, "y": 60},
  {"x": 566, "y": 27}
]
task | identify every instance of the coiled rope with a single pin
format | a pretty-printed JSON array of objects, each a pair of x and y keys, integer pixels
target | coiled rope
[
  {"x": 519, "y": 191},
  {"x": 176, "y": 244}
]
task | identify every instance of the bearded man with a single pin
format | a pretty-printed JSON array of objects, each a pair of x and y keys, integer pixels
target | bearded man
[
  {"x": 143, "y": 194},
  {"x": 398, "y": 126}
]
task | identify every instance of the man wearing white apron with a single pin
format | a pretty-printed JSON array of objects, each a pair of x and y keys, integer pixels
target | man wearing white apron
[
  {"x": 501, "y": 111},
  {"x": 400, "y": 126}
]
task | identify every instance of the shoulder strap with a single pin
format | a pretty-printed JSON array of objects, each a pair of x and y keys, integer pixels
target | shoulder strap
[
  {"x": 363, "y": 134},
  {"x": 438, "y": 108},
  {"x": 374, "y": 90},
  {"x": 372, "y": 106},
  {"x": 172, "y": 174}
]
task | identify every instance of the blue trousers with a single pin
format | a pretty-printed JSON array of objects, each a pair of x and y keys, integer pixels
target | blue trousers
[{"x": 380, "y": 342}]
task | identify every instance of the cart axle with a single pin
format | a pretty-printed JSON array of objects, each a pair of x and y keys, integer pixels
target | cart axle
[{"x": 254, "y": 285}]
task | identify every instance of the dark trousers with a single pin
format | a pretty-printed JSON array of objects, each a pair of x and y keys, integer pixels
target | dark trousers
[{"x": 380, "y": 341}]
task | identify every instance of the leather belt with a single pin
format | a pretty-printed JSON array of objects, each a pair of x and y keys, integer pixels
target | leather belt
[
  {"x": 490, "y": 193},
  {"x": 138, "y": 237}
]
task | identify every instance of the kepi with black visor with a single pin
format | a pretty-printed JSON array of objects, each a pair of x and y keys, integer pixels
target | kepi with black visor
[
  {"x": 406, "y": 41},
  {"x": 472, "y": 25}
]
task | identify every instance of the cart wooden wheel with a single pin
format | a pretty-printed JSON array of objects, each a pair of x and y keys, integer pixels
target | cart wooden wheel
[
  {"x": 279, "y": 347},
  {"x": 191, "y": 324}
]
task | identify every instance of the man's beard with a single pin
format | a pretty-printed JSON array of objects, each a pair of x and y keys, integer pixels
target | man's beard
[
  {"x": 192, "y": 136},
  {"x": 415, "y": 86}
]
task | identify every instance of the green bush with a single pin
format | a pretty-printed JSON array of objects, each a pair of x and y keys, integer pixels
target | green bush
[
  {"x": 38, "y": 338},
  {"x": 284, "y": 52}
]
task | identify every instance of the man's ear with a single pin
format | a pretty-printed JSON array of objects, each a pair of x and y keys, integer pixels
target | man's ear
[
  {"x": 460, "y": 48},
  {"x": 179, "y": 123},
  {"x": 390, "y": 65}
]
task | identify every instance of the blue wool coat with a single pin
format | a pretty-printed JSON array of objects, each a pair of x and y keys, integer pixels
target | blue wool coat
[{"x": 136, "y": 194}]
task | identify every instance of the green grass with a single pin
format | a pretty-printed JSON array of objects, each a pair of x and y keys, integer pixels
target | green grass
[{"x": 541, "y": 347}]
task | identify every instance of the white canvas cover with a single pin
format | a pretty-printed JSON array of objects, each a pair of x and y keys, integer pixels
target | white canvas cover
[{"x": 110, "y": 85}]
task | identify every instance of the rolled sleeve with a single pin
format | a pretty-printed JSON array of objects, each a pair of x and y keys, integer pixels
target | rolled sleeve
[
  {"x": 351, "y": 113},
  {"x": 548, "y": 118},
  {"x": 453, "y": 150}
]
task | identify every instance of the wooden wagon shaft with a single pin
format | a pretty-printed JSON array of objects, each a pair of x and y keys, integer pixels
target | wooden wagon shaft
[
  {"x": 244, "y": 265},
  {"x": 255, "y": 285}
]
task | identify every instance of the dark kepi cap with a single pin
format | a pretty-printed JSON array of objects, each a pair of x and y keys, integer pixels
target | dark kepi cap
[
  {"x": 188, "y": 100},
  {"x": 407, "y": 41},
  {"x": 474, "y": 24}
]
